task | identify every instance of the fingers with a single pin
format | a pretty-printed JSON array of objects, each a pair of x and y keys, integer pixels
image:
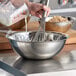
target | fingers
[
  {"x": 47, "y": 9},
  {"x": 40, "y": 13},
  {"x": 37, "y": 9},
  {"x": 48, "y": 12}
]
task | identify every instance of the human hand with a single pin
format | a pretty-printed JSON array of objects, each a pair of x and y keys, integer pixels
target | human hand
[{"x": 37, "y": 9}]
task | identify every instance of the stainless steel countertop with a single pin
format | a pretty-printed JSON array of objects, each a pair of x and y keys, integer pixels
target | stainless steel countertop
[{"x": 62, "y": 63}]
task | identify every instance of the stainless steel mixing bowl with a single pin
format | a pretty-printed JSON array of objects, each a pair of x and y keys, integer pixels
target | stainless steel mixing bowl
[{"x": 21, "y": 43}]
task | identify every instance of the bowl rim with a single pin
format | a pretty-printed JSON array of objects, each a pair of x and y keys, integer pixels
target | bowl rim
[
  {"x": 50, "y": 17},
  {"x": 8, "y": 36}
]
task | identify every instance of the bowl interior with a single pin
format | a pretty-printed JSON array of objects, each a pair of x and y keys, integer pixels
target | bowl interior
[
  {"x": 28, "y": 36},
  {"x": 68, "y": 18}
]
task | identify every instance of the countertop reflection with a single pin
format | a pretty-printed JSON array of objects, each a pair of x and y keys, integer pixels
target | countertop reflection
[{"x": 66, "y": 61}]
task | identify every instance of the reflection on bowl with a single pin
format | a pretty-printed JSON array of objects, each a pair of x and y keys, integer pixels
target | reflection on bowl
[{"x": 21, "y": 43}]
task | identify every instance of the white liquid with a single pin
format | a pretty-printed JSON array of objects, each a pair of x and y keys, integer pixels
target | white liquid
[{"x": 26, "y": 24}]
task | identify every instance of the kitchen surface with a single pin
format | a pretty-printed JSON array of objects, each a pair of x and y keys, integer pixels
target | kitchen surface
[{"x": 64, "y": 61}]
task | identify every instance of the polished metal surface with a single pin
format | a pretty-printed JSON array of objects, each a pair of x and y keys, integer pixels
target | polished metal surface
[
  {"x": 21, "y": 43},
  {"x": 65, "y": 62}
]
